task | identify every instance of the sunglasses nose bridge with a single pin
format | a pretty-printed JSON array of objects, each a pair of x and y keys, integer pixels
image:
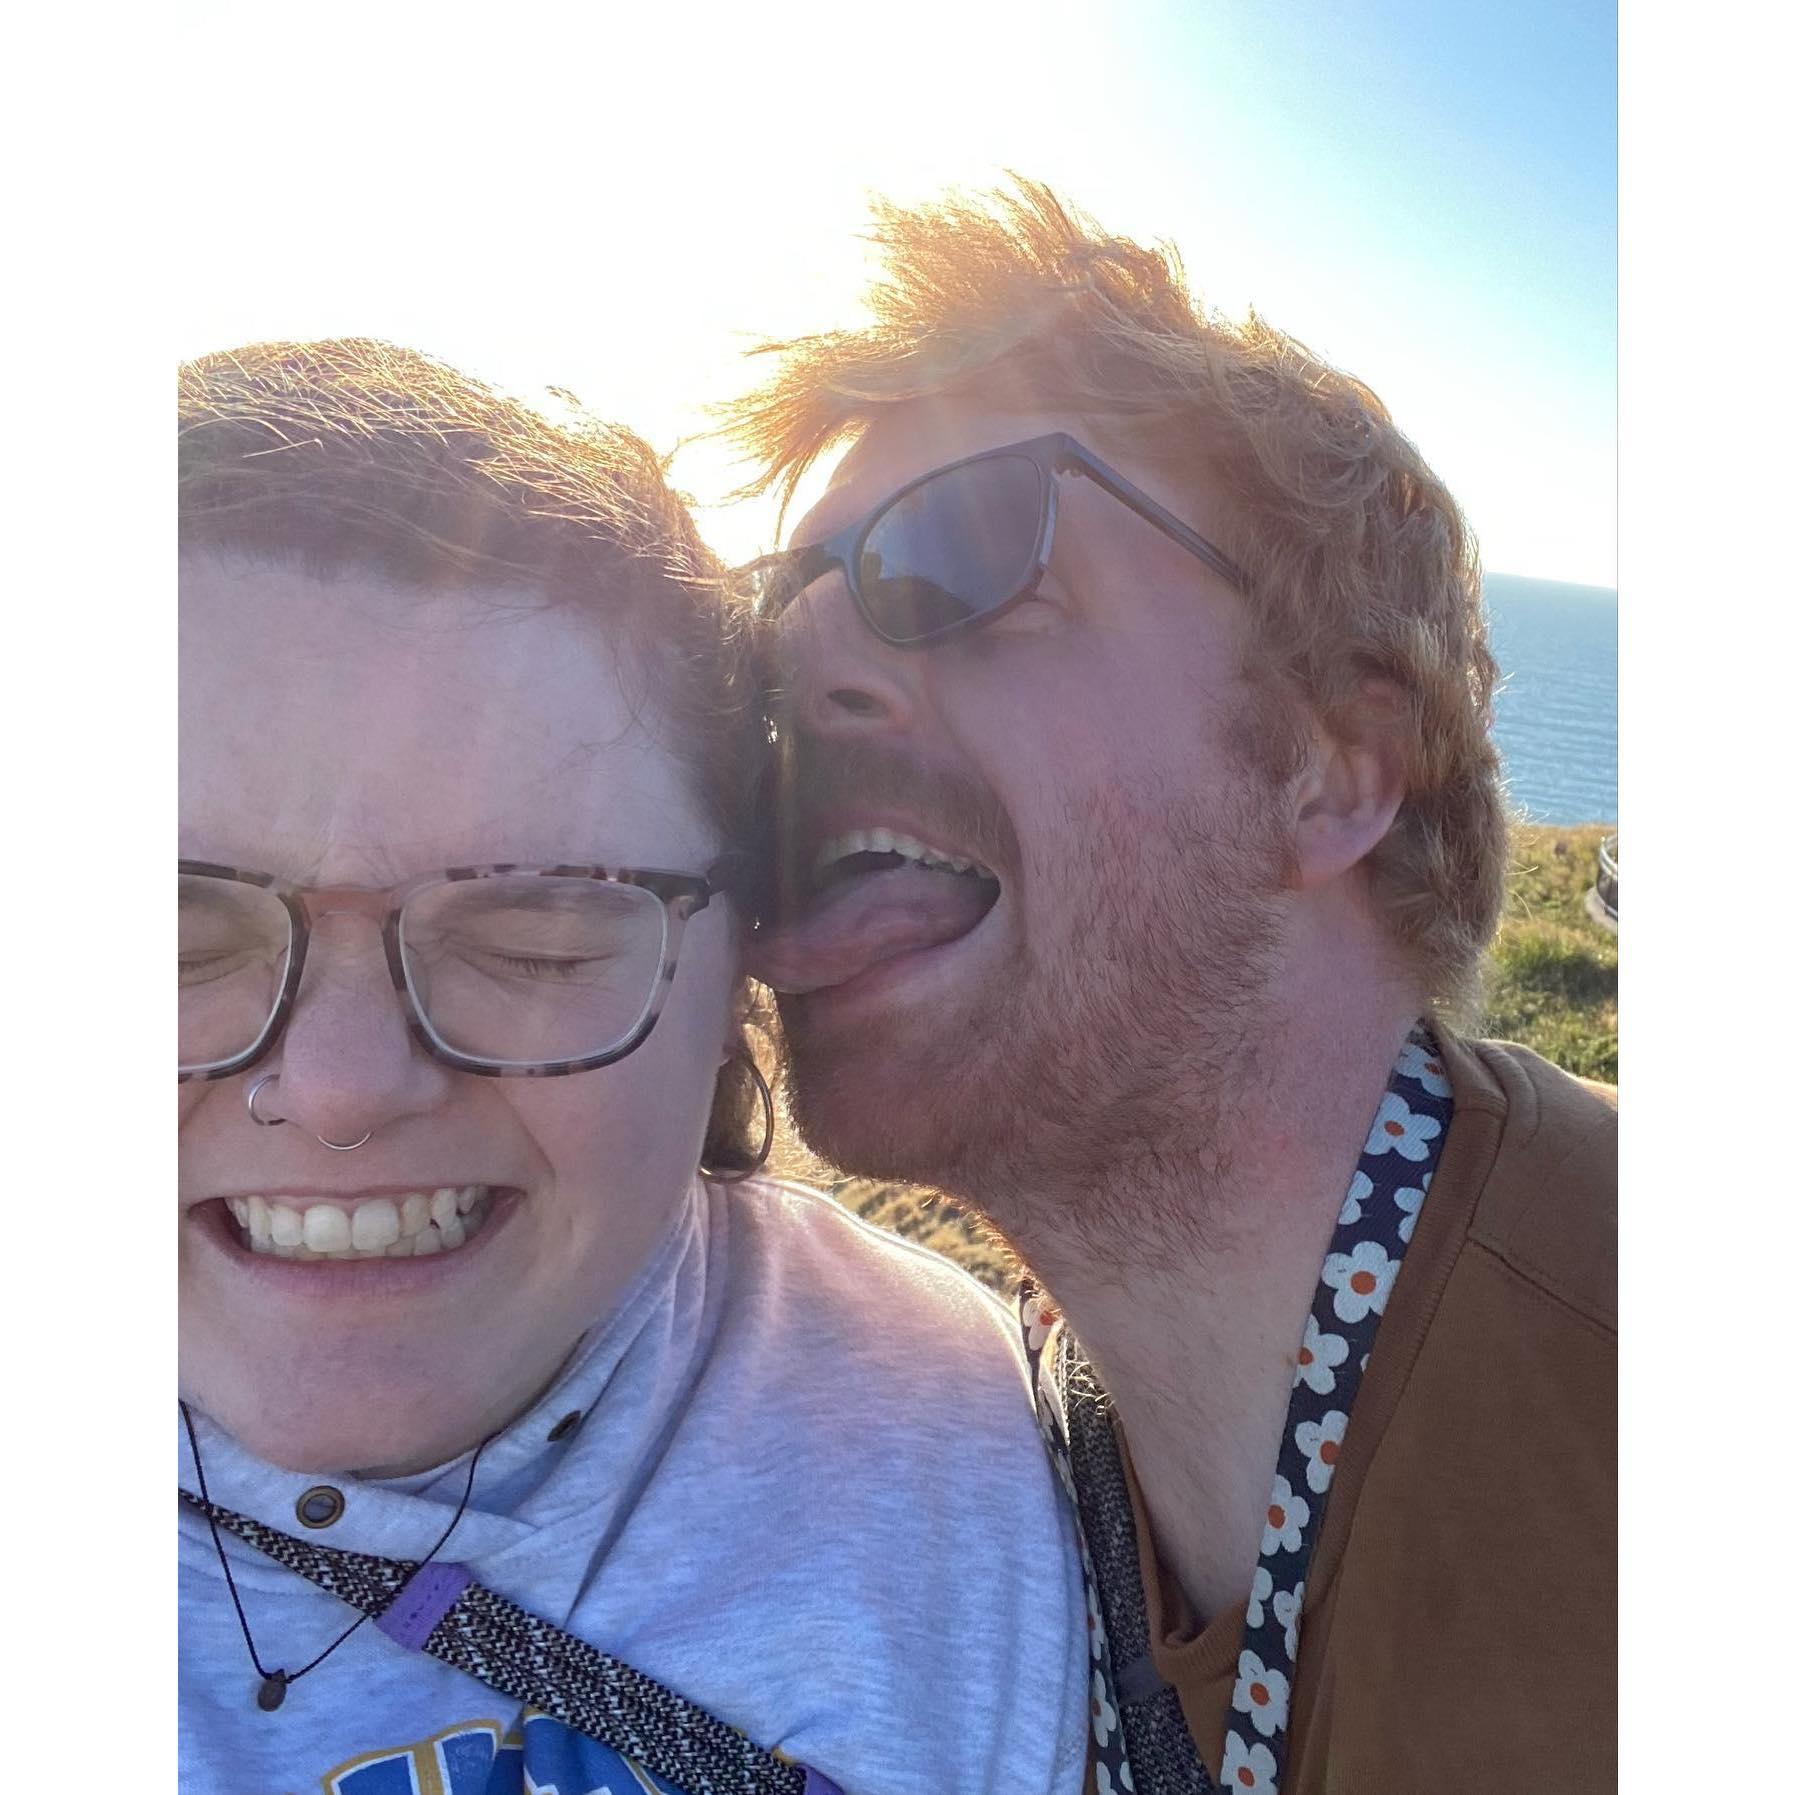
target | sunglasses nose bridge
[{"x": 839, "y": 677}]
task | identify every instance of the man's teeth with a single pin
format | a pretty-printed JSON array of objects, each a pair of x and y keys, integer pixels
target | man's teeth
[
  {"x": 412, "y": 1226},
  {"x": 887, "y": 841}
]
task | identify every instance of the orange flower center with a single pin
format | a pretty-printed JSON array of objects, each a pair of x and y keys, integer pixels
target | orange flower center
[
  {"x": 1363, "y": 1282},
  {"x": 1393, "y": 1128},
  {"x": 1260, "y": 1695},
  {"x": 1275, "y": 1515},
  {"x": 1328, "y": 1451}
]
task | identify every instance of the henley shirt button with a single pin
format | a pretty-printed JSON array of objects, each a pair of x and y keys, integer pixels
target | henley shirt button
[
  {"x": 566, "y": 1425},
  {"x": 320, "y": 1506}
]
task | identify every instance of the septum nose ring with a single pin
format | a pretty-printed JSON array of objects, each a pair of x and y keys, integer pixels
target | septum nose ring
[{"x": 268, "y": 1078}]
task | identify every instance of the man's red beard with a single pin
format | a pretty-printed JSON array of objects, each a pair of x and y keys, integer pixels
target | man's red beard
[{"x": 1111, "y": 1028}]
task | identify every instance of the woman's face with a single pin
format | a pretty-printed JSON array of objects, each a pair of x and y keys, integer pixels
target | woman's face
[{"x": 350, "y": 732}]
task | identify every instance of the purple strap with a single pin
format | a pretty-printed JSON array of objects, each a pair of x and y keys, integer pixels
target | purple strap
[
  {"x": 816, "y": 1783},
  {"x": 432, "y": 1591}
]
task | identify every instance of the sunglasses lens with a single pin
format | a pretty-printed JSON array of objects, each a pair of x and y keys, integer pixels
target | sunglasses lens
[{"x": 956, "y": 547}]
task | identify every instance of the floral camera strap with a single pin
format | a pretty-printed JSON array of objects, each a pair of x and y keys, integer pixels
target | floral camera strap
[{"x": 1140, "y": 1742}]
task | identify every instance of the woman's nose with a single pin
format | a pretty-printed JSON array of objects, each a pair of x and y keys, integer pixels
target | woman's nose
[{"x": 348, "y": 1062}]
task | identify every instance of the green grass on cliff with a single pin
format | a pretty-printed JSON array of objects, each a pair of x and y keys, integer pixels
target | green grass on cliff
[
  {"x": 1550, "y": 984},
  {"x": 1554, "y": 973}
]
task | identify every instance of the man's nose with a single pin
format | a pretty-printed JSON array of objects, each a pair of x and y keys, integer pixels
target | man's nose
[
  {"x": 347, "y": 1061},
  {"x": 841, "y": 681}
]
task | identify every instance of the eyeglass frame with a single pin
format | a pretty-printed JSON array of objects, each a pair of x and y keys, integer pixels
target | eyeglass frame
[
  {"x": 681, "y": 896},
  {"x": 1054, "y": 454}
]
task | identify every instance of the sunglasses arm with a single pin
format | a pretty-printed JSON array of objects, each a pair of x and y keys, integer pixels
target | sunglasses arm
[{"x": 1076, "y": 459}]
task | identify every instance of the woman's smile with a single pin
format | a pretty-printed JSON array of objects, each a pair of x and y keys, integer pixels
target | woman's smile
[{"x": 400, "y": 1224}]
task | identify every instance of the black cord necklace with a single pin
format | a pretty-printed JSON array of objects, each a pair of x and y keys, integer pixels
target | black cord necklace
[{"x": 275, "y": 1683}]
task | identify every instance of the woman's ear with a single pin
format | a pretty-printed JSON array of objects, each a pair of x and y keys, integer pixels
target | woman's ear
[
  {"x": 1348, "y": 795},
  {"x": 749, "y": 1010}
]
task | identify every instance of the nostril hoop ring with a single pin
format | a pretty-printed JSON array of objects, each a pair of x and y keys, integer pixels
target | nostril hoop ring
[
  {"x": 255, "y": 1090},
  {"x": 268, "y": 1078}
]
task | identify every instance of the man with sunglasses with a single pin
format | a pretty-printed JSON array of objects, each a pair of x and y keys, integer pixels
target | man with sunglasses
[{"x": 1144, "y": 832}]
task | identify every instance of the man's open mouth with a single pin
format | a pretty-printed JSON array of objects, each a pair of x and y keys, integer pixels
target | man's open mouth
[
  {"x": 871, "y": 895},
  {"x": 410, "y": 1224}
]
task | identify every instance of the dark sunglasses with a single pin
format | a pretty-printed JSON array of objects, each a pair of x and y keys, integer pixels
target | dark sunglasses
[{"x": 961, "y": 545}]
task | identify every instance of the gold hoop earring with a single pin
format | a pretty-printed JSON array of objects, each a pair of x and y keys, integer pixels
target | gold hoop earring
[{"x": 735, "y": 1174}]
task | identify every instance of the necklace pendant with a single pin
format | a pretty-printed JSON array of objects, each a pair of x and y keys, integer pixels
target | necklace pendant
[{"x": 272, "y": 1692}]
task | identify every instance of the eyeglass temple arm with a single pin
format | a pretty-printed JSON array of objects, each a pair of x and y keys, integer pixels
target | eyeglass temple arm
[
  {"x": 796, "y": 568},
  {"x": 1075, "y": 459},
  {"x": 745, "y": 878}
]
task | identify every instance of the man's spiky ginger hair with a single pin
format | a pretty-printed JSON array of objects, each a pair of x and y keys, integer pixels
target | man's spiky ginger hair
[{"x": 1359, "y": 564}]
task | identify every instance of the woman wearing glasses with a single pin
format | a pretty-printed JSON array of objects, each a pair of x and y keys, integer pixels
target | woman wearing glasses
[{"x": 524, "y": 1439}]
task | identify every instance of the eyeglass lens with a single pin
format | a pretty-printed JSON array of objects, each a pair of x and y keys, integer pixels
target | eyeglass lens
[
  {"x": 955, "y": 547},
  {"x": 236, "y": 940},
  {"x": 509, "y": 971}
]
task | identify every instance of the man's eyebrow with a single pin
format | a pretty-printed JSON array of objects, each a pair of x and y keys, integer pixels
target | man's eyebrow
[
  {"x": 808, "y": 533},
  {"x": 838, "y": 508}
]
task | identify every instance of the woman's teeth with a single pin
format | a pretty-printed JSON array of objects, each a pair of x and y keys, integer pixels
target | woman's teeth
[{"x": 411, "y": 1226}]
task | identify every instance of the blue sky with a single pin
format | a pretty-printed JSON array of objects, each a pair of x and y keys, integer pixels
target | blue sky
[
  {"x": 596, "y": 196},
  {"x": 1425, "y": 193}
]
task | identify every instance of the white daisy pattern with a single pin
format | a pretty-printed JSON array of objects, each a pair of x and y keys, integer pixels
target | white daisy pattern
[
  {"x": 1317, "y": 1356},
  {"x": 1094, "y": 1615},
  {"x": 1252, "y": 1769},
  {"x": 1360, "y": 1280},
  {"x": 1319, "y": 1442},
  {"x": 1258, "y": 1596},
  {"x": 1286, "y": 1515},
  {"x": 1399, "y": 1129},
  {"x": 1376, "y": 1224},
  {"x": 1103, "y": 1712},
  {"x": 1109, "y": 1755},
  {"x": 1353, "y": 1209},
  {"x": 1427, "y": 1069},
  {"x": 1409, "y": 1201},
  {"x": 1038, "y": 1317},
  {"x": 1287, "y": 1605},
  {"x": 1262, "y": 1695}
]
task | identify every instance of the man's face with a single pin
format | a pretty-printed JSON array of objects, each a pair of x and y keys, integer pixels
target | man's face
[
  {"x": 351, "y": 733},
  {"x": 1083, "y": 748}
]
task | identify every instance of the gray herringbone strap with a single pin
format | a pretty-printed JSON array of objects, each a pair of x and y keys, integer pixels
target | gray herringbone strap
[
  {"x": 1161, "y": 1753},
  {"x": 535, "y": 1662}
]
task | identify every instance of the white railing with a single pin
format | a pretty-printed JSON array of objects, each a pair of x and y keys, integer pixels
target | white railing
[{"x": 1608, "y": 875}]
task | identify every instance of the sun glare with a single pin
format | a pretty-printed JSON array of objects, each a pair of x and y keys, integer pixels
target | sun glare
[{"x": 621, "y": 202}]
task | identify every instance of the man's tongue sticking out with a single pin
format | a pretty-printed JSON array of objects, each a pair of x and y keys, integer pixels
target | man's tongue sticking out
[{"x": 867, "y": 918}]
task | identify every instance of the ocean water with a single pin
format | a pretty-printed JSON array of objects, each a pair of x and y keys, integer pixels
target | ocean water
[{"x": 1557, "y": 712}]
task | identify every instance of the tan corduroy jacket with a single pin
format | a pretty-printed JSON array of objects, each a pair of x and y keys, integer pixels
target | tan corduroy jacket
[{"x": 1459, "y": 1628}]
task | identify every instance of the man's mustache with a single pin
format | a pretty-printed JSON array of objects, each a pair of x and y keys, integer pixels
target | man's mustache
[{"x": 819, "y": 778}]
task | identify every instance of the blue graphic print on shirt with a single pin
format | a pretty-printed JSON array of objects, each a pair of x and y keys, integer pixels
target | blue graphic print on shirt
[{"x": 479, "y": 1757}]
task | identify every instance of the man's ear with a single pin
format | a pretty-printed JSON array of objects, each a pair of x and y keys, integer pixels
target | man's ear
[{"x": 1348, "y": 795}]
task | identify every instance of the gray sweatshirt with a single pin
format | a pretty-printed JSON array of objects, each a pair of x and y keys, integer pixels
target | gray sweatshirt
[{"x": 805, "y": 1491}]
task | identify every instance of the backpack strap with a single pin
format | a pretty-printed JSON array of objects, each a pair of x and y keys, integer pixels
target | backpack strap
[
  {"x": 444, "y": 1612},
  {"x": 1161, "y": 1755}
]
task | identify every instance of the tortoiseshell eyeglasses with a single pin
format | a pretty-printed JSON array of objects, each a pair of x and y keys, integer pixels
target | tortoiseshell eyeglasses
[{"x": 506, "y": 971}]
